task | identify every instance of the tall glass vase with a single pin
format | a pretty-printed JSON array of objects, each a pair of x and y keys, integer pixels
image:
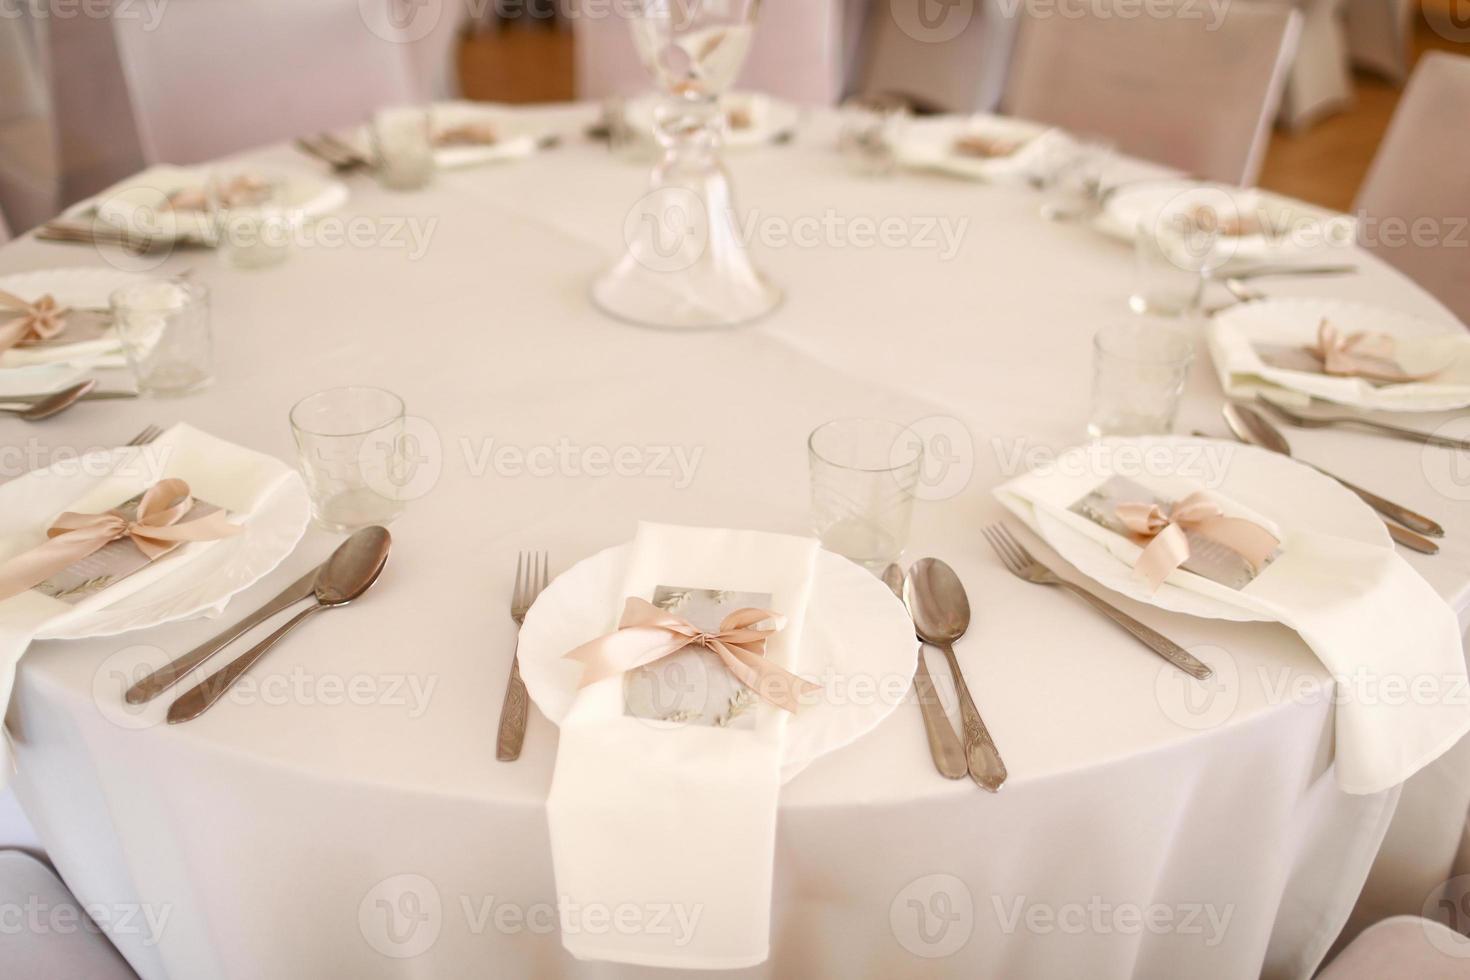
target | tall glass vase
[{"x": 686, "y": 266}]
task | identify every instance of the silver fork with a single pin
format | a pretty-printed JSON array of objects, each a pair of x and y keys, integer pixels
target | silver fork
[
  {"x": 530, "y": 580},
  {"x": 1019, "y": 562},
  {"x": 148, "y": 435}
]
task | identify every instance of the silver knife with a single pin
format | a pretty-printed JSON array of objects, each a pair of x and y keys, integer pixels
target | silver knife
[{"x": 167, "y": 676}]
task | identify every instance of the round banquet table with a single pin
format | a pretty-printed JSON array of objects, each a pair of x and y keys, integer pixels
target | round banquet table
[{"x": 344, "y": 815}]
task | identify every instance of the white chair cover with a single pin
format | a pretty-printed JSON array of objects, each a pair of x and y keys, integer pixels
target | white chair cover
[
  {"x": 47, "y": 934},
  {"x": 1170, "y": 89},
  {"x": 30, "y": 174},
  {"x": 1379, "y": 33},
  {"x": 215, "y": 76},
  {"x": 1320, "y": 81},
  {"x": 958, "y": 65},
  {"x": 1421, "y": 179},
  {"x": 798, "y": 52},
  {"x": 1405, "y": 947},
  {"x": 95, "y": 126}
]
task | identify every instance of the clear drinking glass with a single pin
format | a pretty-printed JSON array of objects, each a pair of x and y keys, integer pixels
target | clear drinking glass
[
  {"x": 164, "y": 328},
  {"x": 868, "y": 134},
  {"x": 349, "y": 442},
  {"x": 1139, "y": 370},
  {"x": 864, "y": 473},
  {"x": 1173, "y": 249},
  {"x": 1070, "y": 172},
  {"x": 403, "y": 147},
  {"x": 251, "y": 219},
  {"x": 686, "y": 265}
]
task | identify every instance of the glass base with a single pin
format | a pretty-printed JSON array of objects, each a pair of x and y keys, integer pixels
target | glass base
[{"x": 646, "y": 298}]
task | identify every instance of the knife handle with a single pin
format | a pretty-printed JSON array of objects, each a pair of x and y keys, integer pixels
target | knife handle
[
  {"x": 170, "y": 674},
  {"x": 1405, "y": 516}
]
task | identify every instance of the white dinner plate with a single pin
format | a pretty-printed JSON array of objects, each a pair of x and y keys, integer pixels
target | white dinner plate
[
  {"x": 768, "y": 117},
  {"x": 1288, "y": 493},
  {"x": 517, "y": 133},
  {"x": 206, "y": 583},
  {"x": 858, "y": 641},
  {"x": 929, "y": 144},
  {"x": 1297, "y": 229},
  {"x": 140, "y": 203},
  {"x": 1234, "y": 333},
  {"x": 88, "y": 287}
]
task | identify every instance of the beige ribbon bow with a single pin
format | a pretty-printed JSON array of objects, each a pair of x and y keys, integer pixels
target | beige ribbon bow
[
  {"x": 41, "y": 320},
  {"x": 646, "y": 634},
  {"x": 1360, "y": 355},
  {"x": 156, "y": 530},
  {"x": 1201, "y": 514}
]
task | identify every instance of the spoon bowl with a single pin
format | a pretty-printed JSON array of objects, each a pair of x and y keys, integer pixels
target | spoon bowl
[
  {"x": 54, "y": 404},
  {"x": 936, "y": 599},
  {"x": 353, "y": 567}
]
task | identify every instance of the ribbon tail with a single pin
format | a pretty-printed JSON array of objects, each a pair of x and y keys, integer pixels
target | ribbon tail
[
  {"x": 624, "y": 650},
  {"x": 29, "y": 569},
  {"x": 1167, "y": 551},
  {"x": 769, "y": 681},
  {"x": 13, "y": 333}
]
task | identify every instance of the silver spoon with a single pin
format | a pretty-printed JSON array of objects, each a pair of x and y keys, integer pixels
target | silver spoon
[
  {"x": 1322, "y": 420},
  {"x": 51, "y": 404},
  {"x": 1250, "y": 426},
  {"x": 941, "y": 610},
  {"x": 944, "y": 744},
  {"x": 351, "y": 571}
]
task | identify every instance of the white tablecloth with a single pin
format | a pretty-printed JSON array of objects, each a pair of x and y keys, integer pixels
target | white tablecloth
[{"x": 344, "y": 814}]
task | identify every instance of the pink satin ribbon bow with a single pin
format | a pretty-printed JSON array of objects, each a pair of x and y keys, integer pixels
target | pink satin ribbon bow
[
  {"x": 1199, "y": 513},
  {"x": 41, "y": 320},
  {"x": 1361, "y": 355},
  {"x": 646, "y": 634},
  {"x": 156, "y": 530}
]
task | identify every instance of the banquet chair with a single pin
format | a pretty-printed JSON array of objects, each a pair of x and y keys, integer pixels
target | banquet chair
[
  {"x": 1168, "y": 89},
  {"x": 797, "y": 53},
  {"x": 963, "y": 73},
  {"x": 213, "y": 77},
  {"x": 4, "y": 229},
  {"x": 47, "y": 935},
  {"x": 1379, "y": 33},
  {"x": 1320, "y": 80},
  {"x": 1420, "y": 179},
  {"x": 1404, "y": 947},
  {"x": 30, "y": 179}
]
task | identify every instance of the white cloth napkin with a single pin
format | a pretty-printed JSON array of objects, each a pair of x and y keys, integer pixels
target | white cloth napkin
[
  {"x": 1242, "y": 372},
  {"x": 1372, "y": 621},
  {"x": 224, "y": 474},
  {"x": 675, "y": 825},
  {"x": 39, "y": 379}
]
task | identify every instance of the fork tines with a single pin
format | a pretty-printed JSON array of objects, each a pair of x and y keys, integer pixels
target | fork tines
[
  {"x": 1012, "y": 553},
  {"x": 531, "y": 576}
]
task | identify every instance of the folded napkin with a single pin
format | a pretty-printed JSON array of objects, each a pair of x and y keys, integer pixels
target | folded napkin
[
  {"x": 1236, "y": 348},
  {"x": 39, "y": 379},
  {"x": 1372, "y": 621},
  {"x": 677, "y": 820},
  {"x": 236, "y": 479},
  {"x": 455, "y": 156}
]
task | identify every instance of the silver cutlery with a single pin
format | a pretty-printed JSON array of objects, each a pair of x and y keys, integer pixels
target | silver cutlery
[
  {"x": 944, "y": 744},
  {"x": 148, "y": 435},
  {"x": 1279, "y": 271},
  {"x": 1251, "y": 426},
  {"x": 340, "y": 157},
  {"x": 55, "y": 404},
  {"x": 351, "y": 571},
  {"x": 1318, "y": 420},
  {"x": 1020, "y": 563},
  {"x": 941, "y": 611},
  {"x": 94, "y": 395},
  {"x": 167, "y": 676},
  {"x": 531, "y": 578}
]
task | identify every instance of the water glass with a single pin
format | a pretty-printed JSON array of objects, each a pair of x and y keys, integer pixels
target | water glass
[
  {"x": 251, "y": 219},
  {"x": 403, "y": 147},
  {"x": 1173, "y": 249},
  {"x": 864, "y": 474},
  {"x": 1070, "y": 172},
  {"x": 1139, "y": 370},
  {"x": 164, "y": 328},
  {"x": 867, "y": 137},
  {"x": 350, "y": 445}
]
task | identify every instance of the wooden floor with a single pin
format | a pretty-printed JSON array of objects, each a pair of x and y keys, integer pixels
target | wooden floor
[{"x": 1324, "y": 165}]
